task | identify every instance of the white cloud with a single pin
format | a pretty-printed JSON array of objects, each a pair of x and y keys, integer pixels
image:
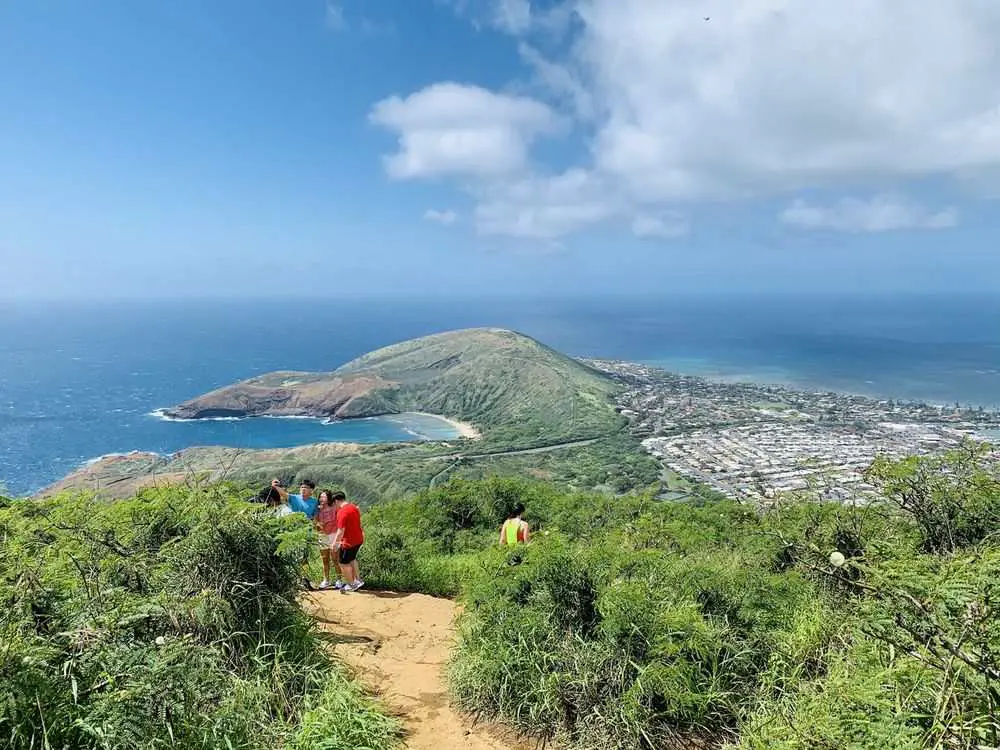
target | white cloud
[
  {"x": 559, "y": 81},
  {"x": 337, "y": 20},
  {"x": 446, "y": 217},
  {"x": 513, "y": 16},
  {"x": 882, "y": 213},
  {"x": 665, "y": 227},
  {"x": 766, "y": 98},
  {"x": 335, "y": 16},
  {"x": 543, "y": 208},
  {"x": 777, "y": 95},
  {"x": 455, "y": 129},
  {"x": 516, "y": 17}
]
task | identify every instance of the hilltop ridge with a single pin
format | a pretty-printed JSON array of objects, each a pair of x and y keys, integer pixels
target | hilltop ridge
[
  {"x": 536, "y": 411},
  {"x": 500, "y": 381}
]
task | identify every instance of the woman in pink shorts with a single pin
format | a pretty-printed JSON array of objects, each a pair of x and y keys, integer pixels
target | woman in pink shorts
[{"x": 326, "y": 527}]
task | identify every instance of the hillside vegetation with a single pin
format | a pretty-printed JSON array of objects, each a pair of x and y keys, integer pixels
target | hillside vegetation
[
  {"x": 631, "y": 623},
  {"x": 167, "y": 620},
  {"x": 541, "y": 414},
  {"x": 374, "y": 474},
  {"x": 516, "y": 390}
]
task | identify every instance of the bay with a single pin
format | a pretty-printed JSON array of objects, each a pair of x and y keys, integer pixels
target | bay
[{"x": 82, "y": 379}]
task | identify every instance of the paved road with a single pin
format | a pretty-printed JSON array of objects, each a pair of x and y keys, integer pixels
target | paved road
[{"x": 457, "y": 458}]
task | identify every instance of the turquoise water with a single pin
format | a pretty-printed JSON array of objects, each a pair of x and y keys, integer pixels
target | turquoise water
[
  {"x": 79, "y": 381},
  {"x": 284, "y": 432}
]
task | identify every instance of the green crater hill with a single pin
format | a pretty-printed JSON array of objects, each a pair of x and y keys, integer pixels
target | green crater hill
[
  {"x": 535, "y": 411},
  {"x": 506, "y": 384}
]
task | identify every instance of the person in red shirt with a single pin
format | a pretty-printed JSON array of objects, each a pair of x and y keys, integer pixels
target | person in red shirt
[{"x": 348, "y": 539}]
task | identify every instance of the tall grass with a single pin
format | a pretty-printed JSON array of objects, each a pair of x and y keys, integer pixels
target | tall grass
[
  {"x": 168, "y": 620},
  {"x": 630, "y": 623}
]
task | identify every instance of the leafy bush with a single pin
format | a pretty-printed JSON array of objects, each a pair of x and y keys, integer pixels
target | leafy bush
[
  {"x": 339, "y": 717},
  {"x": 637, "y": 647},
  {"x": 632, "y": 623},
  {"x": 953, "y": 498},
  {"x": 166, "y": 620},
  {"x": 170, "y": 619}
]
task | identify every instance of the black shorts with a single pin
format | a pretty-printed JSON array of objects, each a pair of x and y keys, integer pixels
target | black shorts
[{"x": 348, "y": 554}]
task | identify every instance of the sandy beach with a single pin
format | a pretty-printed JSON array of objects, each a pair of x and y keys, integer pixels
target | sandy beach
[{"x": 464, "y": 429}]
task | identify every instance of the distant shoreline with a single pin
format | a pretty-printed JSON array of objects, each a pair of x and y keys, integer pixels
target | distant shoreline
[
  {"x": 782, "y": 377},
  {"x": 464, "y": 429}
]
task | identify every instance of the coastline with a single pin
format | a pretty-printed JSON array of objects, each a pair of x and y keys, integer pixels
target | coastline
[
  {"x": 464, "y": 429},
  {"x": 728, "y": 373}
]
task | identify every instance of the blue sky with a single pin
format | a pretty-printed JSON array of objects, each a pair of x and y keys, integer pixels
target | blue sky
[{"x": 191, "y": 148}]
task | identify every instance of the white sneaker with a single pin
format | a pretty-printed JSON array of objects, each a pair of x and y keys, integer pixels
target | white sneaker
[
  {"x": 356, "y": 585},
  {"x": 339, "y": 585},
  {"x": 324, "y": 584}
]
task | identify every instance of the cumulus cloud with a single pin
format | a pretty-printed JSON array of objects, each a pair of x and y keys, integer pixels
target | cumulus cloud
[
  {"x": 456, "y": 129},
  {"x": 446, "y": 217},
  {"x": 558, "y": 81},
  {"x": 881, "y": 213},
  {"x": 665, "y": 227},
  {"x": 543, "y": 207},
  {"x": 766, "y": 98},
  {"x": 776, "y": 95},
  {"x": 513, "y": 16}
]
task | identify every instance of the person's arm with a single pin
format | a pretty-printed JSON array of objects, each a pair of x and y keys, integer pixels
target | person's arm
[
  {"x": 338, "y": 534},
  {"x": 527, "y": 532},
  {"x": 299, "y": 504},
  {"x": 503, "y": 540},
  {"x": 281, "y": 490}
]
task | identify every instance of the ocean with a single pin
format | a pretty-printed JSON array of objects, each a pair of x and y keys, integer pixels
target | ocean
[{"x": 81, "y": 380}]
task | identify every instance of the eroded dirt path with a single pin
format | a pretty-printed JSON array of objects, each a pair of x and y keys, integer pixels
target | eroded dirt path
[{"x": 398, "y": 645}]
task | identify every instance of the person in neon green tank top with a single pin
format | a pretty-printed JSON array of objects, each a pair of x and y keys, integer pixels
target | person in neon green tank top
[{"x": 514, "y": 531}]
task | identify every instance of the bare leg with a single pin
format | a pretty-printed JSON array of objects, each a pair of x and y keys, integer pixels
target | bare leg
[
  {"x": 325, "y": 554},
  {"x": 345, "y": 571}
]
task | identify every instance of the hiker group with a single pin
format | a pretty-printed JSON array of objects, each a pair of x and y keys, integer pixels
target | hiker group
[
  {"x": 339, "y": 535},
  {"x": 337, "y": 521}
]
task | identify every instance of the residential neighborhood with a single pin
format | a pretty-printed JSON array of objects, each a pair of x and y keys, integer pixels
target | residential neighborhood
[{"x": 754, "y": 441}]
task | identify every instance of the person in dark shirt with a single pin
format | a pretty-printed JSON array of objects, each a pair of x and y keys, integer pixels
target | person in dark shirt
[{"x": 270, "y": 497}]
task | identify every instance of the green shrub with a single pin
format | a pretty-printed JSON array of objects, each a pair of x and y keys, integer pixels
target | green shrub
[
  {"x": 340, "y": 718},
  {"x": 953, "y": 498},
  {"x": 166, "y": 620},
  {"x": 632, "y": 623},
  {"x": 852, "y": 705},
  {"x": 601, "y": 646}
]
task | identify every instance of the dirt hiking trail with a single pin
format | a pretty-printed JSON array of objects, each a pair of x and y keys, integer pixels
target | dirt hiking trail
[{"x": 398, "y": 647}]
